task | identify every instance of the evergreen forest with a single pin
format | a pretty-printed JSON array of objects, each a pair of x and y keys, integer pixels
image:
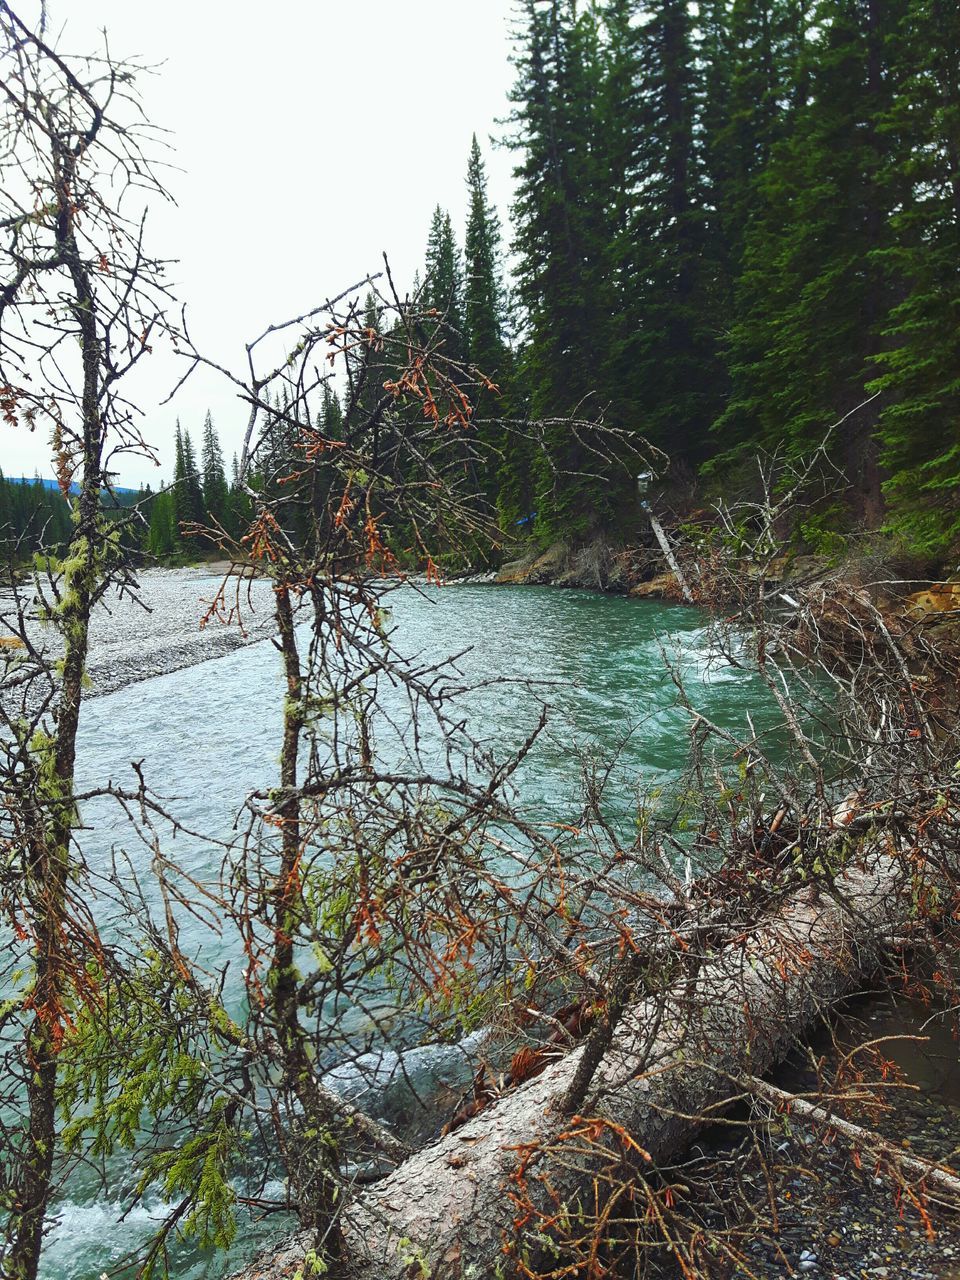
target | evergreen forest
[
  {"x": 738, "y": 223},
  {"x": 736, "y": 229}
]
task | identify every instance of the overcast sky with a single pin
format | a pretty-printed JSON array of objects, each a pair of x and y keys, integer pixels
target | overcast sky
[{"x": 311, "y": 135}]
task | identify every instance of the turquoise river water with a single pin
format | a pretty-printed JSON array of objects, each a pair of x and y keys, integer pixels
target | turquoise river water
[{"x": 209, "y": 734}]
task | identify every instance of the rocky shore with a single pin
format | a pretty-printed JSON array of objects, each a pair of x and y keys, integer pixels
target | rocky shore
[
  {"x": 158, "y": 630},
  {"x": 812, "y": 1205}
]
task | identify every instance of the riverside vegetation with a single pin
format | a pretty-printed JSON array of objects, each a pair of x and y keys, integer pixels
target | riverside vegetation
[
  {"x": 618, "y": 988},
  {"x": 731, "y": 229}
]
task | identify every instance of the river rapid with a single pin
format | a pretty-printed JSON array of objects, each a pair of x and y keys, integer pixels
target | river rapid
[{"x": 209, "y": 734}]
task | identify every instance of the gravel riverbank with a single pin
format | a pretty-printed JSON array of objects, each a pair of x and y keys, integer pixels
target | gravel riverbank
[
  {"x": 830, "y": 1212},
  {"x": 160, "y": 630},
  {"x": 130, "y": 642}
]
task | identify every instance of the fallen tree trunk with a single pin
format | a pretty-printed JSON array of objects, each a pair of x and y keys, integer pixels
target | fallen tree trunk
[{"x": 448, "y": 1210}]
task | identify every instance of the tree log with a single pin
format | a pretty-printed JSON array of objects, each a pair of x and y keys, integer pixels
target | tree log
[{"x": 447, "y": 1210}]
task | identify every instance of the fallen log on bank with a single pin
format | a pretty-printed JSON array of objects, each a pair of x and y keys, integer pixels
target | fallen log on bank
[{"x": 449, "y": 1210}]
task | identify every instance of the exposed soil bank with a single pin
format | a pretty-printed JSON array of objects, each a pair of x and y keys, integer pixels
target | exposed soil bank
[{"x": 640, "y": 570}]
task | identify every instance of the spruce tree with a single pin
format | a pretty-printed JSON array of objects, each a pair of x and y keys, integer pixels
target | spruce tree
[
  {"x": 754, "y": 79},
  {"x": 163, "y": 536},
  {"x": 812, "y": 299},
  {"x": 182, "y": 505},
  {"x": 485, "y": 323},
  {"x": 215, "y": 492},
  {"x": 561, "y": 241},
  {"x": 7, "y": 540},
  {"x": 671, "y": 352},
  {"x": 194, "y": 485},
  {"x": 331, "y": 414},
  {"x": 484, "y": 302},
  {"x": 919, "y": 428},
  {"x": 443, "y": 284}
]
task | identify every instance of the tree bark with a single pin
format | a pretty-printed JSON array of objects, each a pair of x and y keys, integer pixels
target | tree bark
[{"x": 447, "y": 1211}]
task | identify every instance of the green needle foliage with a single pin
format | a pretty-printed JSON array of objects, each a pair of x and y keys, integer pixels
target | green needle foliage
[{"x": 735, "y": 223}]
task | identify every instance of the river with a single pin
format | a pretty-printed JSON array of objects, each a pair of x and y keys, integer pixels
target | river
[{"x": 210, "y": 733}]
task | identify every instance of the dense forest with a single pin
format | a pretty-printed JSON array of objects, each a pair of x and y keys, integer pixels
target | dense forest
[
  {"x": 32, "y": 515},
  {"x": 730, "y": 231},
  {"x": 735, "y": 225}
]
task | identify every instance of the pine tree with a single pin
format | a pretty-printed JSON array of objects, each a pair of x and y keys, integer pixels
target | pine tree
[
  {"x": 812, "y": 300},
  {"x": 484, "y": 302},
  {"x": 671, "y": 351},
  {"x": 485, "y": 322},
  {"x": 443, "y": 283},
  {"x": 183, "y": 510},
  {"x": 754, "y": 79},
  {"x": 163, "y": 536},
  {"x": 561, "y": 241},
  {"x": 194, "y": 485}
]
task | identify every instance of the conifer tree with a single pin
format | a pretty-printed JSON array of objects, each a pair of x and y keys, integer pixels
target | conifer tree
[
  {"x": 919, "y": 430},
  {"x": 163, "y": 538},
  {"x": 7, "y": 540},
  {"x": 813, "y": 300},
  {"x": 561, "y": 242},
  {"x": 239, "y": 509},
  {"x": 183, "y": 509},
  {"x": 754, "y": 79},
  {"x": 194, "y": 484},
  {"x": 215, "y": 493},
  {"x": 485, "y": 323},
  {"x": 331, "y": 414},
  {"x": 678, "y": 378},
  {"x": 367, "y": 369},
  {"x": 484, "y": 302},
  {"x": 443, "y": 283}
]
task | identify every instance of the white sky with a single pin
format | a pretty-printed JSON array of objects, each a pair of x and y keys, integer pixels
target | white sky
[{"x": 312, "y": 135}]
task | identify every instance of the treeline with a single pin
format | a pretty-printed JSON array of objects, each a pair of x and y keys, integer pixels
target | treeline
[
  {"x": 201, "y": 509},
  {"x": 32, "y": 517},
  {"x": 461, "y": 305},
  {"x": 199, "y": 497},
  {"x": 737, "y": 221}
]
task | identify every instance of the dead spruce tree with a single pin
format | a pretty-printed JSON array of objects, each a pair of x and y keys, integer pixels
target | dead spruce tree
[{"x": 80, "y": 299}]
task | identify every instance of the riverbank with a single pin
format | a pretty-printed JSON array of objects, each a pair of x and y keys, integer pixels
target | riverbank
[
  {"x": 163, "y": 630},
  {"x": 844, "y": 1204},
  {"x": 160, "y": 628},
  {"x": 641, "y": 572},
  {"x": 809, "y": 1204}
]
